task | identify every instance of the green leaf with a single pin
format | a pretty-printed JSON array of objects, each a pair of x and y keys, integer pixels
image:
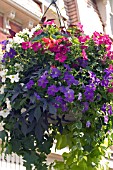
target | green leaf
[
  {"x": 1, "y": 97},
  {"x": 37, "y": 113},
  {"x": 62, "y": 142},
  {"x": 52, "y": 109},
  {"x": 2, "y": 135},
  {"x": 24, "y": 128},
  {"x": 78, "y": 125}
]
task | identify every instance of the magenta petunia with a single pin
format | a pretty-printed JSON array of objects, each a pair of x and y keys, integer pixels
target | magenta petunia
[
  {"x": 26, "y": 45},
  {"x": 38, "y": 32},
  {"x": 60, "y": 57},
  {"x": 36, "y": 46},
  {"x": 84, "y": 55}
]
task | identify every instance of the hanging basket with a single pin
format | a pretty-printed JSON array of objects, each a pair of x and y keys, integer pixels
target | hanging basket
[{"x": 56, "y": 84}]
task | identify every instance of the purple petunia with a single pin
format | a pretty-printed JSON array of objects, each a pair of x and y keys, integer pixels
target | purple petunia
[
  {"x": 52, "y": 90},
  {"x": 86, "y": 106},
  {"x": 110, "y": 110},
  {"x": 37, "y": 96},
  {"x": 55, "y": 73},
  {"x": 67, "y": 67},
  {"x": 12, "y": 53},
  {"x": 80, "y": 96},
  {"x": 103, "y": 108},
  {"x": 60, "y": 103},
  {"x": 88, "y": 124},
  {"x": 106, "y": 119},
  {"x": 42, "y": 82},
  {"x": 30, "y": 84},
  {"x": 63, "y": 89},
  {"x": 94, "y": 79},
  {"x": 69, "y": 95},
  {"x": 70, "y": 79},
  {"x": 89, "y": 92},
  {"x": 82, "y": 63},
  {"x": 107, "y": 78}
]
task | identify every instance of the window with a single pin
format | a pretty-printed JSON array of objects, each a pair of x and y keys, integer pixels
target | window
[{"x": 111, "y": 15}]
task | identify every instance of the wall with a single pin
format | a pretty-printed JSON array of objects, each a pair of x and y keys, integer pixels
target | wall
[{"x": 89, "y": 16}]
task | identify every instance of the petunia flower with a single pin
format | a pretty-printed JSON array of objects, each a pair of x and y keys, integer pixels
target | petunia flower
[
  {"x": 84, "y": 55},
  {"x": 52, "y": 90},
  {"x": 30, "y": 84},
  {"x": 26, "y": 45},
  {"x": 13, "y": 78},
  {"x": 60, "y": 57},
  {"x": 88, "y": 124},
  {"x": 69, "y": 95},
  {"x": 36, "y": 46}
]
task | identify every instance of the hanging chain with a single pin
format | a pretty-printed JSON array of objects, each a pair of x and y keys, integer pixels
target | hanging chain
[{"x": 58, "y": 13}]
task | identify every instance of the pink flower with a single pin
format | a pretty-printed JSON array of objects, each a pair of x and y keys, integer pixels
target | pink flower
[
  {"x": 60, "y": 57},
  {"x": 110, "y": 55},
  {"x": 99, "y": 39},
  {"x": 36, "y": 46},
  {"x": 83, "y": 39},
  {"x": 38, "y": 32},
  {"x": 84, "y": 55},
  {"x": 49, "y": 22},
  {"x": 110, "y": 90},
  {"x": 26, "y": 45},
  {"x": 84, "y": 46},
  {"x": 80, "y": 26},
  {"x": 110, "y": 67}
]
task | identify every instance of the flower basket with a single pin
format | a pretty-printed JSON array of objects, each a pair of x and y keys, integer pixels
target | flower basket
[{"x": 57, "y": 84}]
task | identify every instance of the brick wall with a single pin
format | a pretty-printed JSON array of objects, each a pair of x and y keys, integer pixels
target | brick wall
[{"x": 71, "y": 11}]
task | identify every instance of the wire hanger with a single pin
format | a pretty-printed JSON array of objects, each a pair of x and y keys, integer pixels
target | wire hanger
[{"x": 58, "y": 13}]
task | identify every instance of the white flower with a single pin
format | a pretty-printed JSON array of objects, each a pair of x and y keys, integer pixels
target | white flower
[
  {"x": 4, "y": 112},
  {"x": 3, "y": 74},
  {"x": 14, "y": 78},
  {"x": 24, "y": 31},
  {"x": 1, "y": 56},
  {"x": 18, "y": 40},
  {"x": 19, "y": 67},
  {"x": 8, "y": 104},
  {"x": 2, "y": 89},
  {"x": 23, "y": 110},
  {"x": 1, "y": 126},
  {"x": 8, "y": 46},
  {"x": 33, "y": 30},
  {"x": 22, "y": 84}
]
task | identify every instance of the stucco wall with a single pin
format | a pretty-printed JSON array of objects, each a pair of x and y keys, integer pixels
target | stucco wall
[{"x": 89, "y": 17}]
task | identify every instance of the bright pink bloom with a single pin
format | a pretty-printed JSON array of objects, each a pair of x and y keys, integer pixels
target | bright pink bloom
[
  {"x": 52, "y": 22},
  {"x": 102, "y": 39},
  {"x": 83, "y": 39},
  {"x": 84, "y": 55},
  {"x": 60, "y": 57},
  {"x": 38, "y": 32},
  {"x": 110, "y": 55},
  {"x": 26, "y": 45},
  {"x": 80, "y": 26},
  {"x": 84, "y": 46},
  {"x": 110, "y": 90},
  {"x": 110, "y": 67},
  {"x": 36, "y": 46}
]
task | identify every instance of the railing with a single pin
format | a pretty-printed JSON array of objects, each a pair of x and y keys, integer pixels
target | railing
[{"x": 11, "y": 162}]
